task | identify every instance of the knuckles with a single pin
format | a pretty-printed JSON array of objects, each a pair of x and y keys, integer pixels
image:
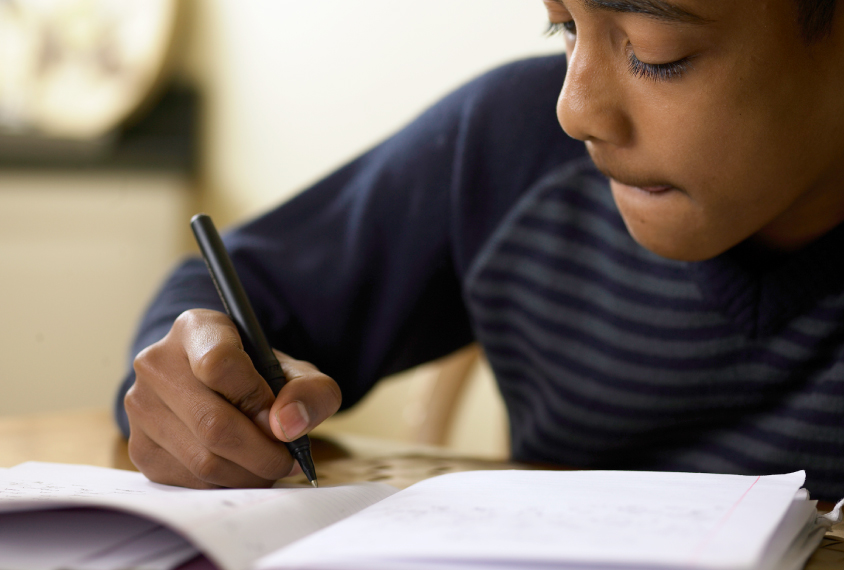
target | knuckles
[
  {"x": 137, "y": 454},
  {"x": 143, "y": 456},
  {"x": 219, "y": 363},
  {"x": 132, "y": 403},
  {"x": 275, "y": 466},
  {"x": 204, "y": 465},
  {"x": 150, "y": 362},
  {"x": 229, "y": 372},
  {"x": 216, "y": 429},
  {"x": 140, "y": 403},
  {"x": 193, "y": 319}
]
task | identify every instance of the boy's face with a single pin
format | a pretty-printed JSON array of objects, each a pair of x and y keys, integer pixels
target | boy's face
[{"x": 714, "y": 119}]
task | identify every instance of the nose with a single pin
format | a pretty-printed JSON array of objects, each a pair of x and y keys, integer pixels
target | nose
[{"x": 590, "y": 107}]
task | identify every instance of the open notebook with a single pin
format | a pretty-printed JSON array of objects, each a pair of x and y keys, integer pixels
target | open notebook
[{"x": 89, "y": 518}]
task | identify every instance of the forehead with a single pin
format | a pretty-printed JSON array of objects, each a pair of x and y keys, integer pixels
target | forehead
[
  {"x": 655, "y": 8},
  {"x": 682, "y": 11}
]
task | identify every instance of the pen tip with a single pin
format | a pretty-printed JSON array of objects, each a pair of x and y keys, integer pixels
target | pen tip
[{"x": 314, "y": 484}]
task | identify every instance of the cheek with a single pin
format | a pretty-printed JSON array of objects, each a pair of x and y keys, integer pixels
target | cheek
[
  {"x": 730, "y": 161},
  {"x": 689, "y": 134},
  {"x": 735, "y": 131}
]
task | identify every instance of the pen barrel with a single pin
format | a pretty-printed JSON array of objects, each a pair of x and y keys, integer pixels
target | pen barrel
[
  {"x": 299, "y": 448},
  {"x": 230, "y": 289},
  {"x": 271, "y": 372},
  {"x": 240, "y": 311},
  {"x": 234, "y": 297}
]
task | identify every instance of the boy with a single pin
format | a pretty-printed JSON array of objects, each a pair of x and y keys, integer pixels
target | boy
[{"x": 687, "y": 316}]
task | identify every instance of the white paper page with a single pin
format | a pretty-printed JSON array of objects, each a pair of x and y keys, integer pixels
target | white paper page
[
  {"x": 160, "y": 548},
  {"x": 232, "y": 527},
  {"x": 168, "y": 560},
  {"x": 791, "y": 538},
  {"x": 45, "y": 540},
  {"x": 582, "y": 517}
]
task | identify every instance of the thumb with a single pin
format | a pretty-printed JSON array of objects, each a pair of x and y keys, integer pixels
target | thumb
[{"x": 309, "y": 398}]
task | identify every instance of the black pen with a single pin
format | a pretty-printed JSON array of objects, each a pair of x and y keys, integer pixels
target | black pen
[{"x": 240, "y": 311}]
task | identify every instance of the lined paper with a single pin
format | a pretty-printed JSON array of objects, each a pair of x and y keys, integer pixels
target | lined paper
[{"x": 522, "y": 518}]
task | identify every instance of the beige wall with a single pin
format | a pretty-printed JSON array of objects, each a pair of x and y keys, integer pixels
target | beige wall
[
  {"x": 295, "y": 88},
  {"x": 80, "y": 255}
]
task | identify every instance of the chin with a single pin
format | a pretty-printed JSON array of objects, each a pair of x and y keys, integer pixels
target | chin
[
  {"x": 666, "y": 222},
  {"x": 672, "y": 243}
]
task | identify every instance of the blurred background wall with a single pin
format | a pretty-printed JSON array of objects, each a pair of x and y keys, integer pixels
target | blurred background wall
[
  {"x": 286, "y": 91},
  {"x": 292, "y": 89}
]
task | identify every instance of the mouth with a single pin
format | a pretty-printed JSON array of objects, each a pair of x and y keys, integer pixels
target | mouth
[
  {"x": 650, "y": 189},
  {"x": 645, "y": 185}
]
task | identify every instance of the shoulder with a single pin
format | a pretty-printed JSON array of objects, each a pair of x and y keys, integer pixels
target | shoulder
[
  {"x": 528, "y": 87},
  {"x": 511, "y": 112},
  {"x": 523, "y": 80},
  {"x": 508, "y": 139}
]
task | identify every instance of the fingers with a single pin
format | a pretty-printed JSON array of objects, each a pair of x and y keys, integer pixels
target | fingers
[
  {"x": 160, "y": 466},
  {"x": 164, "y": 448},
  {"x": 201, "y": 415},
  {"x": 190, "y": 409},
  {"x": 215, "y": 353},
  {"x": 221, "y": 430},
  {"x": 309, "y": 398}
]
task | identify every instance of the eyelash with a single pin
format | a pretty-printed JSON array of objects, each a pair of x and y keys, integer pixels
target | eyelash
[
  {"x": 658, "y": 71},
  {"x": 652, "y": 71},
  {"x": 558, "y": 28}
]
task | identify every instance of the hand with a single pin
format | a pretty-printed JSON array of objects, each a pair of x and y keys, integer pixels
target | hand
[{"x": 201, "y": 416}]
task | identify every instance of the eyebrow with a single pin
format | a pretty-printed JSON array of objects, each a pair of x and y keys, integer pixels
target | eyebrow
[{"x": 658, "y": 9}]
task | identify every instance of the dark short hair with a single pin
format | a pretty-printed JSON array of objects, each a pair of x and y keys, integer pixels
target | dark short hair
[{"x": 815, "y": 18}]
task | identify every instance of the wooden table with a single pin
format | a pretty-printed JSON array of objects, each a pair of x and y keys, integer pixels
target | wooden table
[
  {"x": 86, "y": 437},
  {"x": 91, "y": 438}
]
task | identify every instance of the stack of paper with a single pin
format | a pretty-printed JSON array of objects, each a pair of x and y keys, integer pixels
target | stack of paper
[
  {"x": 88, "y": 539},
  {"x": 483, "y": 519},
  {"x": 516, "y": 519},
  {"x": 73, "y": 517}
]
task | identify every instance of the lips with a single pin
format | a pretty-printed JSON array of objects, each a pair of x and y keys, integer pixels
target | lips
[
  {"x": 649, "y": 185},
  {"x": 661, "y": 189},
  {"x": 646, "y": 185},
  {"x": 654, "y": 189}
]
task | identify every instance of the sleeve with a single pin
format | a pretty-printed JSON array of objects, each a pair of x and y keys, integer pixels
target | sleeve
[
  {"x": 355, "y": 274},
  {"x": 361, "y": 274}
]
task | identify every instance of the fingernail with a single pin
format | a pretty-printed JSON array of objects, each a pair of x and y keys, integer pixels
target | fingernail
[{"x": 292, "y": 419}]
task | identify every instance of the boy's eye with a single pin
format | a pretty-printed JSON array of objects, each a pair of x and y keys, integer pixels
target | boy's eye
[
  {"x": 651, "y": 71},
  {"x": 658, "y": 71},
  {"x": 557, "y": 28}
]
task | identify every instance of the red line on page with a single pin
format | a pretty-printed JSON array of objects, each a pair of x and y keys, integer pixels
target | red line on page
[{"x": 708, "y": 538}]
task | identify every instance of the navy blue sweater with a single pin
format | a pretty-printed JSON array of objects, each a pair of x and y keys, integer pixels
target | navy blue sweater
[{"x": 482, "y": 221}]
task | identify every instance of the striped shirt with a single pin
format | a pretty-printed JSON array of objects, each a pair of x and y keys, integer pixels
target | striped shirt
[
  {"x": 482, "y": 221},
  {"x": 610, "y": 356}
]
